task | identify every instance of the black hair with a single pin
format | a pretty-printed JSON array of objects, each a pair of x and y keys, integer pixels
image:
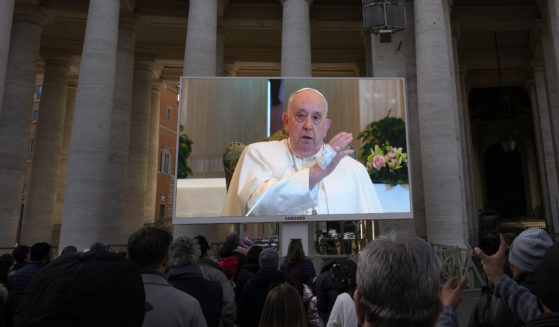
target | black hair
[
  {"x": 148, "y": 247},
  {"x": 20, "y": 252},
  {"x": 253, "y": 254},
  {"x": 203, "y": 243},
  {"x": 39, "y": 251}
]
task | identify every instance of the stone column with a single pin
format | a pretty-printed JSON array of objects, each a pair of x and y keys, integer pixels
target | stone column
[
  {"x": 553, "y": 22},
  {"x": 153, "y": 152},
  {"x": 296, "y": 38},
  {"x": 464, "y": 136},
  {"x": 552, "y": 85},
  {"x": 550, "y": 46},
  {"x": 89, "y": 148},
  {"x": 201, "y": 39},
  {"x": 16, "y": 114},
  {"x": 397, "y": 59},
  {"x": 120, "y": 121},
  {"x": 63, "y": 158},
  {"x": 136, "y": 171},
  {"x": 544, "y": 141},
  {"x": 38, "y": 216},
  {"x": 439, "y": 133},
  {"x": 6, "y": 15},
  {"x": 473, "y": 205}
]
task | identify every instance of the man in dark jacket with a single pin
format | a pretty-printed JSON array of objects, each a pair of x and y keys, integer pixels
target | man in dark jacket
[
  {"x": 326, "y": 291},
  {"x": 249, "y": 269},
  {"x": 256, "y": 289},
  {"x": 84, "y": 289},
  {"x": 187, "y": 277},
  {"x": 526, "y": 251},
  {"x": 148, "y": 248},
  {"x": 521, "y": 301},
  {"x": 40, "y": 257},
  {"x": 21, "y": 256}
]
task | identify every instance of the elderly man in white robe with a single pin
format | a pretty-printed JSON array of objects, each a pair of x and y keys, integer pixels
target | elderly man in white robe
[{"x": 301, "y": 175}]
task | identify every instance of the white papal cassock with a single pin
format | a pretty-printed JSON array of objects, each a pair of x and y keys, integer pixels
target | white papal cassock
[{"x": 270, "y": 170}]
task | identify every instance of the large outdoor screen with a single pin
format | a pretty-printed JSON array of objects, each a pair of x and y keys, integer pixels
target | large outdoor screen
[{"x": 226, "y": 114}]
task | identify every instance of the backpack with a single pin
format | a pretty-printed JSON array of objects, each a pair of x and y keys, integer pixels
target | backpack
[{"x": 343, "y": 275}]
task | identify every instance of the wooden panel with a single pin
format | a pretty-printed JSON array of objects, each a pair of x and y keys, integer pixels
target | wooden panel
[
  {"x": 380, "y": 97},
  {"x": 221, "y": 111}
]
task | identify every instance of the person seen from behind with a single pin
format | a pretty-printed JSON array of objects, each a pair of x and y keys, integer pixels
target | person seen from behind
[
  {"x": 398, "y": 284},
  {"x": 283, "y": 308},
  {"x": 148, "y": 248},
  {"x": 187, "y": 277}
]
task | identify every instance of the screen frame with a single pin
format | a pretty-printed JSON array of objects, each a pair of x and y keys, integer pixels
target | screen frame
[{"x": 294, "y": 218}]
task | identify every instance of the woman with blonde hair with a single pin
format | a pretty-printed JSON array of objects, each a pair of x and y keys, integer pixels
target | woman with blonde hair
[{"x": 283, "y": 308}]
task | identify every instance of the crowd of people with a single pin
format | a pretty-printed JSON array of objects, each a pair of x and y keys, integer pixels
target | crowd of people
[{"x": 164, "y": 282}]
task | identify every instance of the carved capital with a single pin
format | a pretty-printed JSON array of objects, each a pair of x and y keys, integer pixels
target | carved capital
[
  {"x": 158, "y": 85},
  {"x": 145, "y": 63}
]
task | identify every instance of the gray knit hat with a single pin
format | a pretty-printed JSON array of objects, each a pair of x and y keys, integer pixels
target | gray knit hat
[
  {"x": 268, "y": 258},
  {"x": 528, "y": 248}
]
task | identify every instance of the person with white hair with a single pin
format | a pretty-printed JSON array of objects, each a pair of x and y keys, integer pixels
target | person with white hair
[
  {"x": 398, "y": 284},
  {"x": 307, "y": 175},
  {"x": 187, "y": 277}
]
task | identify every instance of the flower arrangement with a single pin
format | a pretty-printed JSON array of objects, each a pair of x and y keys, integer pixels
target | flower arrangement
[
  {"x": 384, "y": 151},
  {"x": 388, "y": 163}
]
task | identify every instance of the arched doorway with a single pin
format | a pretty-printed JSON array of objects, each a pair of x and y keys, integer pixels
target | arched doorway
[{"x": 504, "y": 182}]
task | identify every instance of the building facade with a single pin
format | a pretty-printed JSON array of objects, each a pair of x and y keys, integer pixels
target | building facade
[{"x": 481, "y": 78}]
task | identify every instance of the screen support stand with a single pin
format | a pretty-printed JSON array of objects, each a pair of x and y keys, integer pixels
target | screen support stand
[{"x": 289, "y": 231}]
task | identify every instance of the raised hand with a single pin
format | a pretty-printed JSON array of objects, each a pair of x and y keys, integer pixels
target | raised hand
[
  {"x": 337, "y": 143},
  {"x": 451, "y": 293},
  {"x": 493, "y": 265}
]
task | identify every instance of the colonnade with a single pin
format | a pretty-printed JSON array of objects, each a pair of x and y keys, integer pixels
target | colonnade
[
  {"x": 94, "y": 163},
  {"x": 93, "y": 170}
]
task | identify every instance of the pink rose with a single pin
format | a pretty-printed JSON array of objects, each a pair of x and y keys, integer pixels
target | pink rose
[
  {"x": 379, "y": 162},
  {"x": 391, "y": 154}
]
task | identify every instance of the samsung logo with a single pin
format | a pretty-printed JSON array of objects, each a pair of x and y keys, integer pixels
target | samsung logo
[{"x": 294, "y": 218}]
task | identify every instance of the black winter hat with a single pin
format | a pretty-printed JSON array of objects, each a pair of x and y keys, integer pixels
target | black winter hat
[{"x": 84, "y": 289}]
